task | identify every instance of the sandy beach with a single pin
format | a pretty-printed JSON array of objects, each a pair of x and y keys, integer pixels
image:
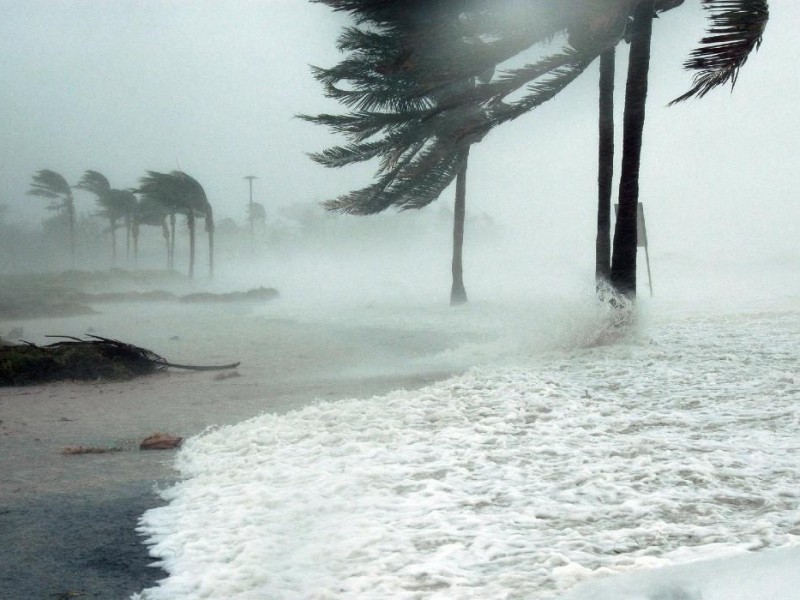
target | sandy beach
[{"x": 68, "y": 522}]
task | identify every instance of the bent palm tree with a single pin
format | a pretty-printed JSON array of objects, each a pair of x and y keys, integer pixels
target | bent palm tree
[
  {"x": 735, "y": 29},
  {"x": 149, "y": 212},
  {"x": 179, "y": 193},
  {"x": 195, "y": 196},
  {"x": 49, "y": 184},
  {"x": 115, "y": 205},
  {"x": 97, "y": 184}
]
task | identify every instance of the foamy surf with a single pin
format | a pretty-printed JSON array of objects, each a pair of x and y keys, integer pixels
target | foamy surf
[{"x": 503, "y": 482}]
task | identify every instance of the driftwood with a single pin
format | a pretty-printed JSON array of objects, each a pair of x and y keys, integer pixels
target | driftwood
[{"x": 88, "y": 359}]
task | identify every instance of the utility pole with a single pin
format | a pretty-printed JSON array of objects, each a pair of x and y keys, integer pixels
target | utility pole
[{"x": 250, "y": 180}]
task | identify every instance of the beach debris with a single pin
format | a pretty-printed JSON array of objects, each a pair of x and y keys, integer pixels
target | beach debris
[
  {"x": 72, "y": 450},
  {"x": 72, "y": 358},
  {"x": 226, "y": 375},
  {"x": 161, "y": 441}
]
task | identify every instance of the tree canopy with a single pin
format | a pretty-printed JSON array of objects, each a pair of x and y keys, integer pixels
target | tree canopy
[{"x": 422, "y": 78}]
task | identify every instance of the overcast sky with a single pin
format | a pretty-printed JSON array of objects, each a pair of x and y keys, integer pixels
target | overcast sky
[{"x": 211, "y": 87}]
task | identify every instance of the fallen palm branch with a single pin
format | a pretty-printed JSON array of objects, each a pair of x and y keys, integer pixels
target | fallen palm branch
[{"x": 73, "y": 358}]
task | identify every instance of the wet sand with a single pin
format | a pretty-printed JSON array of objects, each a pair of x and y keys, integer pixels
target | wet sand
[{"x": 68, "y": 522}]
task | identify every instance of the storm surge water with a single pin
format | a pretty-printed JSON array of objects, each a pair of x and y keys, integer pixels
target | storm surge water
[{"x": 549, "y": 464}]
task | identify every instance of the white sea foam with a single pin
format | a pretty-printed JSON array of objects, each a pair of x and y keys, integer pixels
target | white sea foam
[{"x": 505, "y": 482}]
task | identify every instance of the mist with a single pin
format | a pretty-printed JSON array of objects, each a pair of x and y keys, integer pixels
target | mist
[
  {"x": 212, "y": 89},
  {"x": 363, "y": 399}
]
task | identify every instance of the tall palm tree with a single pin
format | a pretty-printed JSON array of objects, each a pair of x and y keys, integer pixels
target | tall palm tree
[
  {"x": 49, "y": 184},
  {"x": 370, "y": 56},
  {"x": 195, "y": 196},
  {"x": 179, "y": 193},
  {"x": 735, "y": 29},
  {"x": 623, "y": 264},
  {"x": 458, "y": 293}
]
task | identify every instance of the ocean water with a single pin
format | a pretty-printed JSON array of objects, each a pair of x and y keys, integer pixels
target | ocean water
[{"x": 566, "y": 456}]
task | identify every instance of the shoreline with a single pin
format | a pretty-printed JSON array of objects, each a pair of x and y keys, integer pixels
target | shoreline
[{"x": 69, "y": 522}]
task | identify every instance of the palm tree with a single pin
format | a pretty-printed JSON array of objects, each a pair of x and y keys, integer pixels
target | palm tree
[
  {"x": 179, "y": 193},
  {"x": 149, "y": 212},
  {"x": 623, "y": 264},
  {"x": 195, "y": 197},
  {"x": 458, "y": 293},
  {"x": 49, "y": 184},
  {"x": 382, "y": 92},
  {"x": 97, "y": 183},
  {"x": 115, "y": 205},
  {"x": 126, "y": 202},
  {"x": 735, "y": 29},
  {"x": 257, "y": 214}
]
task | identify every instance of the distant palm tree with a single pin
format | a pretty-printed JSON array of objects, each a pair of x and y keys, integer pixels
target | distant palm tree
[
  {"x": 257, "y": 214},
  {"x": 179, "y": 193},
  {"x": 97, "y": 183},
  {"x": 115, "y": 205},
  {"x": 125, "y": 203},
  {"x": 195, "y": 196},
  {"x": 149, "y": 212},
  {"x": 49, "y": 184}
]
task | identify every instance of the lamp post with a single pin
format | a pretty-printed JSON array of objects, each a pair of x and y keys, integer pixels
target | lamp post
[{"x": 250, "y": 180}]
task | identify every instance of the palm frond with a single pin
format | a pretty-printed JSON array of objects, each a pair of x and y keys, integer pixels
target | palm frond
[
  {"x": 95, "y": 182},
  {"x": 542, "y": 90},
  {"x": 49, "y": 184},
  {"x": 736, "y": 29}
]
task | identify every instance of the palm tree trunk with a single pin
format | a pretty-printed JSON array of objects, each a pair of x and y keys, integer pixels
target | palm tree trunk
[
  {"x": 209, "y": 214},
  {"x": 211, "y": 253},
  {"x": 171, "y": 253},
  {"x": 458, "y": 294},
  {"x": 623, "y": 265},
  {"x": 113, "y": 226},
  {"x": 165, "y": 233},
  {"x": 127, "y": 241},
  {"x": 135, "y": 235},
  {"x": 71, "y": 214},
  {"x": 190, "y": 223},
  {"x": 605, "y": 167}
]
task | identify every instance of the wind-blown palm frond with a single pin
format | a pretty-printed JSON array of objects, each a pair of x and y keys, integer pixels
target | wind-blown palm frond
[
  {"x": 178, "y": 192},
  {"x": 49, "y": 184},
  {"x": 94, "y": 182},
  {"x": 565, "y": 68},
  {"x": 736, "y": 29}
]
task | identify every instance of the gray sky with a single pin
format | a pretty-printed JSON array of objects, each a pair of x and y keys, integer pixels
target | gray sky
[{"x": 212, "y": 85}]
